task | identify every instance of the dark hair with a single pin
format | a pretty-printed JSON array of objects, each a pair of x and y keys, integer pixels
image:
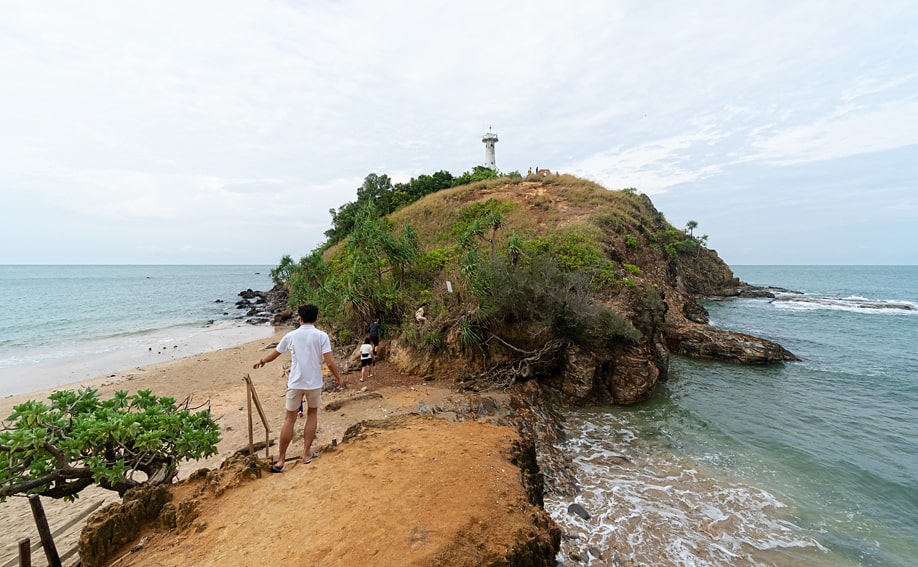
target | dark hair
[
  {"x": 367, "y": 341},
  {"x": 308, "y": 313}
]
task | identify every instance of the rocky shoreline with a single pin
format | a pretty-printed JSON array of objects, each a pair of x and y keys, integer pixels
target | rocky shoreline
[{"x": 265, "y": 307}]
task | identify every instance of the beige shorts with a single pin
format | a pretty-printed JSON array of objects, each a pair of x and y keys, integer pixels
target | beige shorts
[{"x": 313, "y": 398}]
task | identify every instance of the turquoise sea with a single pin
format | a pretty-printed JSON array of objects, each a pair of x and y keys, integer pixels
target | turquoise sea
[
  {"x": 66, "y": 323},
  {"x": 810, "y": 463}
]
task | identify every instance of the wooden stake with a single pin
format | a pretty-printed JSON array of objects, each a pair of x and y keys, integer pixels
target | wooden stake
[
  {"x": 44, "y": 532},
  {"x": 248, "y": 400},
  {"x": 252, "y": 395},
  {"x": 25, "y": 553}
]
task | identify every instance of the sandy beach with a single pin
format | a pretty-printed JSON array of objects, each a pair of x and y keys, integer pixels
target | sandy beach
[
  {"x": 103, "y": 357},
  {"x": 218, "y": 376}
]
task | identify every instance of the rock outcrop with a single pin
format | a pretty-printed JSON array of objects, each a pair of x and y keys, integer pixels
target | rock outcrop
[
  {"x": 262, "y": 307},
  {"x": 705, "y": 341}
]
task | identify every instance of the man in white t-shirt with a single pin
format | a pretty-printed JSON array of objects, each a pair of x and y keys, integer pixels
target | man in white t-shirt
[{"x": 308, "y": 347}]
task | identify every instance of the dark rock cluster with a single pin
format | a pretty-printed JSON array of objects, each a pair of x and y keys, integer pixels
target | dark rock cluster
[{"x": 264, "y": 307}]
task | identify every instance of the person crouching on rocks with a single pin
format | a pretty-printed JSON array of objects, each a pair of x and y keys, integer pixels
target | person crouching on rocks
[{"x": 366, "y": 359}]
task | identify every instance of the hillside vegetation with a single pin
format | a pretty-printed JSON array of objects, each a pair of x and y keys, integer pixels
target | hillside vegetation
[{"x": 554, "y": 278}]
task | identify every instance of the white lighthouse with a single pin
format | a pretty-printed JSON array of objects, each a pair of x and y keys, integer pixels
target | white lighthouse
[{"x": 489, "y": 140}]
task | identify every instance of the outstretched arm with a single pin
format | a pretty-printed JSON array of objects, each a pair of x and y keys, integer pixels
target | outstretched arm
[{"x": 271, "y": 356}]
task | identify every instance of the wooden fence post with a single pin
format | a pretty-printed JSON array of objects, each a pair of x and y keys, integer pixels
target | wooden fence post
[
  {"x": 252, "y": 395},
  {"x": 25, "y": 553},
  {"x": 44, "y": 532}
]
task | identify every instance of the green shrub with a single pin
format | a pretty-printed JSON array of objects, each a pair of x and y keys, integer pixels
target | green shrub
[
  {"x": 433, "y": 340},
  {"x": 433, "y": 261},
  {"x": 608, "y": 222},
  {"x": 471, "y": 334},
  {"x": 480, "y": 216},
  {"x": 542, "y": 292},
  {"x": 631, "y": 269},
  {"x": 58, "y": 449},
  {"x": 605, "y": 277},
  {"x": 575, "y": 247},
  {"x": 681, "y": 247}
]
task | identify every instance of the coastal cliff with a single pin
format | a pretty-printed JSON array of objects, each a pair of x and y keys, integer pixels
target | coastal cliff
[
  {"x": 553, "y": 289},
  {"x": 598, "y": 324}
]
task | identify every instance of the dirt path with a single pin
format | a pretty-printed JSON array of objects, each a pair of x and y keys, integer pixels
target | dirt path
[{"x": 420, "y": 490}]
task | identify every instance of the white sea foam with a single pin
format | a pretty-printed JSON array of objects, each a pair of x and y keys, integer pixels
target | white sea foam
[
  {"x": 667, "y": 510},
  {"x": 854, "y": 303}
]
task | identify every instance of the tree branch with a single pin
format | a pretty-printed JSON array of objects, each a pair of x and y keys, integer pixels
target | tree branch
[
  {"x": 508, "y": 345},
  {"x": 27, "y": 485}
]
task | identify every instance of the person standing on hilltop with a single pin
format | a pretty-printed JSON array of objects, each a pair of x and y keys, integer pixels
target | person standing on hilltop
[
  {"x": 373, "y": 331},
  {"x": 308, "y": 347}
]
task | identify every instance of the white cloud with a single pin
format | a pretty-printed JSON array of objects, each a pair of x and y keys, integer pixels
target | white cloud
[
  {"x": 197, "y": 114},
  {"x": 850, "y": 131}
]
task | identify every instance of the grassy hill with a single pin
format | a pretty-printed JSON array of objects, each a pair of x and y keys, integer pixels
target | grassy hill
[{"x": 554, "y": 278}]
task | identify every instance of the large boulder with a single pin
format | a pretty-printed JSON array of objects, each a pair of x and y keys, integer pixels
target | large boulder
[{"x": 705, "y": 341}]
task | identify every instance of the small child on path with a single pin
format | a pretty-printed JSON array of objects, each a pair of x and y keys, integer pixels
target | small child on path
[{"x": 366, "y": 359}]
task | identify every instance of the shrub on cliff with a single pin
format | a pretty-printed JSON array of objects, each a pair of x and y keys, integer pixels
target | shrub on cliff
[{"x": 541, "y": 293}]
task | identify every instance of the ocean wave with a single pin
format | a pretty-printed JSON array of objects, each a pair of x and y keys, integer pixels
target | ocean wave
[{"x": 851, "y": 303}]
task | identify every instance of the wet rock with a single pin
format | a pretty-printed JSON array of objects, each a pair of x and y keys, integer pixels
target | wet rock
[
  {"x": 704, "y": 341},
  {"x": 577, "y": 510}
]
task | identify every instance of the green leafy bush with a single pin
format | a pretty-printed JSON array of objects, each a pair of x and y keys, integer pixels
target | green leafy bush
[
  {"x": 576, "y": 249},
  {"x": 675, "y": 242},
  {"x": 478, "y": 173},
  {"x": 471, "y": 334},
  {"x": 433, "y": 340},
  {"x": 435, "y": 260},
  {"x": 57, "y": 450}
]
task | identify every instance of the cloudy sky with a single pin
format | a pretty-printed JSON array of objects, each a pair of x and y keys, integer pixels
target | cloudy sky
[{"x": 222, "y": 132}]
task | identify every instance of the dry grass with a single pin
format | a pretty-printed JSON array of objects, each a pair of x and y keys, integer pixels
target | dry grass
[{"x": 541, "y": 205}]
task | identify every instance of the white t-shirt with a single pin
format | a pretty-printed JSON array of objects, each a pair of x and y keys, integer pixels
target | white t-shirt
[
  {"x": 366, "y": 350},
  {"x": 306, "y": 345}
]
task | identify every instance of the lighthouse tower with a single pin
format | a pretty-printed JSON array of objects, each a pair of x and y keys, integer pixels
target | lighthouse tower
[{"x": 489, "y": 140}]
